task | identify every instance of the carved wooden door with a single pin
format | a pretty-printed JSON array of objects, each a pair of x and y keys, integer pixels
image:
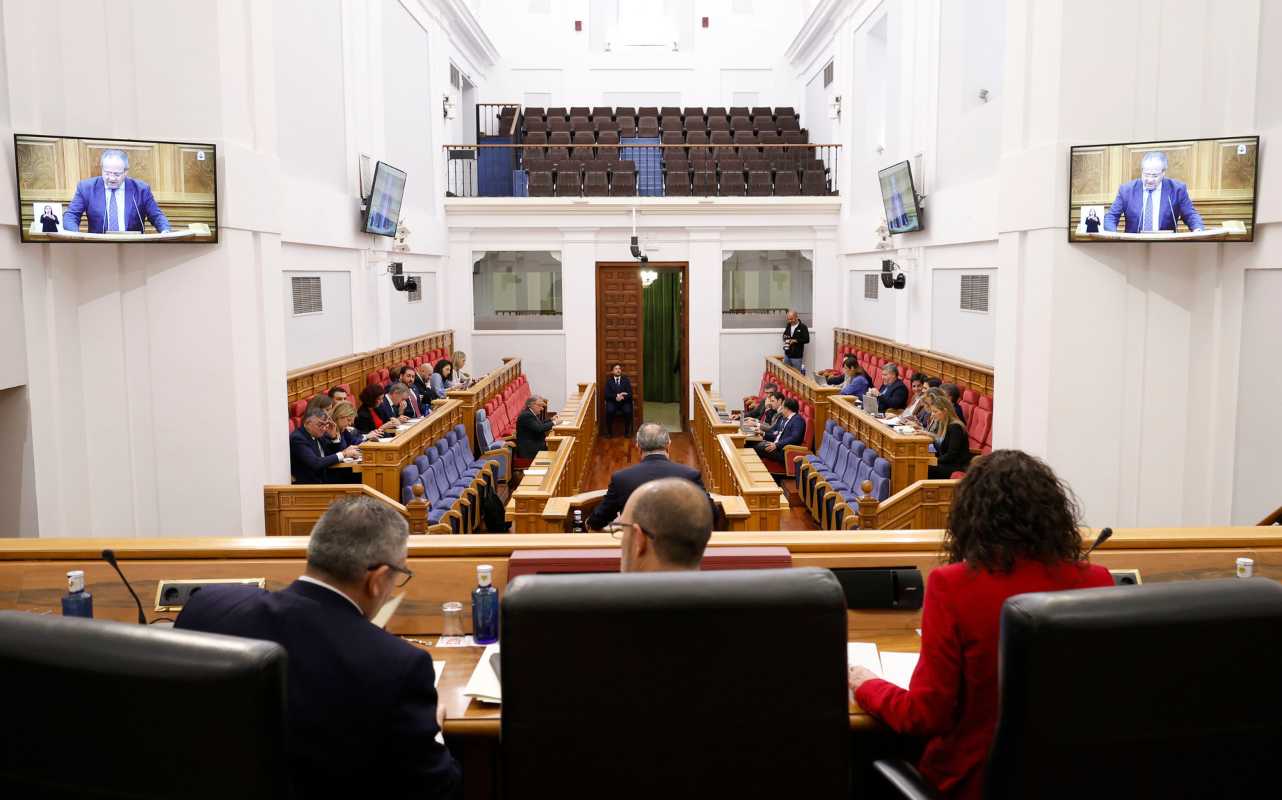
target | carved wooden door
[{"x": 619, "y": 330}]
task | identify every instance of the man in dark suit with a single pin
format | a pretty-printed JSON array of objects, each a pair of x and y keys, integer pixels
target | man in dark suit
[
  {"x": 652, "y": 441},
  {"x": 362, "y": 708},
  {"x": 1153, "y": 202},
  {"x": 791, "y": 430},
  {"x": 618, "y": 400},
  {"x": 396, "y": 404},
  {"x": 795, "y": 338},
  {"x": 893, "y": 393},
  {"x": 758, "y": 411},
  {"x": 532, "y": 429},
  {"x": 114, "y": 202},
  {"x": 406, "y": 376},
  {"x": 665, "y": 526},
  {"x": 309, "y": 459}
]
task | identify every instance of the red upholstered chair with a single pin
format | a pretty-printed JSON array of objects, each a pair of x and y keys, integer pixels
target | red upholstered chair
[
  {"x": 384, "y": 375},
  {"x": 293, "y": 425},
  {"x": 297, "y": 408},
  {"x": 956, "y": 476},
  {"x": 979, "y": 422}
]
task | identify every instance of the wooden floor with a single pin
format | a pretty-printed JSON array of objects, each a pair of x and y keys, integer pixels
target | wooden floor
[{"x": 618, "y": 452}]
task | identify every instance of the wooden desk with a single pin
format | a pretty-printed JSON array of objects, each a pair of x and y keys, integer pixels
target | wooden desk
[
  {"x": 949, "y": 369},
  {"x": 816, "y": 394},
  {"x": 384, "y": 459},
  {"x": 908, "y": 453},
  {"x": 526, "y": 507},
  {"x": 578, "y": 419},
  {"x": 481, "y": 392}
]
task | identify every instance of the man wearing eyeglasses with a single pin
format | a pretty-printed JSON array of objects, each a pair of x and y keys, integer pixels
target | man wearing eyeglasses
[
  {"x": 665, "y": 526},
  {"x": 362, "y": 707}
]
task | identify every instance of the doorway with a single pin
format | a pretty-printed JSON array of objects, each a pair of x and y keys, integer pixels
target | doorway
[{"x": 643, "y": 320}]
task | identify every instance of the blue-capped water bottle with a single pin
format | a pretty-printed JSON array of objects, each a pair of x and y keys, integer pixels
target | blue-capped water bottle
[
  {"x": 77, "y": 602},
  {"x": 485, "y": 607}
]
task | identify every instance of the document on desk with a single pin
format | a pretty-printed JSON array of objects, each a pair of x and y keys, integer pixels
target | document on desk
[
  {"x": 385, "y": 613},
  {"x": 484, "y": 684},
  {"x": 439, "y": 666},
  {"x": 894, "y": 667}
]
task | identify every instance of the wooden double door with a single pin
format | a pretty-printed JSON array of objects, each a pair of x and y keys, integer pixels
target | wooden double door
[{"x": 620, "y": 330}]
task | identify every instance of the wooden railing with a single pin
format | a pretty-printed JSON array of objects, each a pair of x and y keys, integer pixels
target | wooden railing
[
  {"x": 710, "y": 421},
  {"x": 294, "y": 510},
  {"x": 558, "y": 514},
  {"x": 549, "y": 475},
  {"x": 908, "y": 453},
  {"x": 949, "y": 369},
  {"x": 382, "y": 462},
  {"x": 481, "y": 392},
  {"x": 304, "y": 382},
  {"x": 1273, "y": 519},
  {"x": 804, "y": 386},
  {"x": 33, "y": 571},
  {"x": 925, "y": 505},
  {"x": 579, "y": 421},
  {"x": 740, "y": 471}
]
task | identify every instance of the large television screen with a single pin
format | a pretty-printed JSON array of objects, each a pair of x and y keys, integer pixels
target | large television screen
[
  {"x": 1185, "y": 190},
  {"x": 92, "y": 189},
  {"x": 903, "y": 215},
  {"x": 385, "y": 200}
]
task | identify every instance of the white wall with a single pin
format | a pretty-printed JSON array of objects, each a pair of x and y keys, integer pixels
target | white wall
[
  {"x": 742, "y": 358},
  {"x": 126, "y": 344},
  {"x": 876, "y": 317},
  {"x": 318, "y": 336},
  {"x": 542, "y": 359},
  {"x": 1256, "y": 492},
  {"x": 962, "y": 333},
  {"x": 17, "y": 469},
  {"x": 13, "y": 339},
  {"x": 411, "y": 319}
]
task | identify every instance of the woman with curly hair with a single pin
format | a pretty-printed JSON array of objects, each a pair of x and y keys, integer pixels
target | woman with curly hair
[{"x": 1013, "y": 529}]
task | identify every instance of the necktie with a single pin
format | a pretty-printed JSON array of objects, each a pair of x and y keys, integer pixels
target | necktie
[
  {"x": 1145, "y": 224},
  {"x": 111, "y": 210}
]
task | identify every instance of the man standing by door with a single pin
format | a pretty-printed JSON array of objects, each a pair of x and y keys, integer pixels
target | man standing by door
[{"x": 795, "y": 338}]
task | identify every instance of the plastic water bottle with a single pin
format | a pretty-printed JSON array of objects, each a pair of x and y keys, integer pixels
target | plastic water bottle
[
  {"x": 77, "y": 602},
  {"x": 578, "y": 526},
  {"x": 485, "y": 607}
]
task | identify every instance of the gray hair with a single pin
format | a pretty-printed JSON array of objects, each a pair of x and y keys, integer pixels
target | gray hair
[
  {"x": 652, "y": 437},
  {"x": 532, "y": 400},
  {"x": 397, "y": 388},
  {"x": 354, "y": 534},
  {"x": 313, "y": 412},
  {"x": 112, "y": 152},
  {"x": 678, "y": 514},
  {"x": 892, "y": 369},
  {"x": 1154, "y": 155}
]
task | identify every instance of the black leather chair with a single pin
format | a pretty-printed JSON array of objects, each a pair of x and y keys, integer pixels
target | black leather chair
[
  {"x": 1167, "y": 690},
  {"x": 664, "y": 685},
  {"x": 97, "y": 709}
]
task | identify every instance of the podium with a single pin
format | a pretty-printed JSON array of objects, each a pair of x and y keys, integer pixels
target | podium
[
  {"x": 190, "y": 232},
  {"x": 1229, "y": 228}
]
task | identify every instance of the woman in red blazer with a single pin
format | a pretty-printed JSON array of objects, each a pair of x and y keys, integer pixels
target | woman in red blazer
[{"x": 1013, "y": 529}]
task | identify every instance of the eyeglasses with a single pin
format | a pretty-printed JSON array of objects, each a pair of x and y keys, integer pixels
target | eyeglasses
[
  {"x": 617, "y": 528},
  {"x": 408, "y": 574}
]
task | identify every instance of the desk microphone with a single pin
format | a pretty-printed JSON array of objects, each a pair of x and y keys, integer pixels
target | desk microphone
[
  {"x": 1103, "y": 537},
  {"x": 110, "y": 557}
]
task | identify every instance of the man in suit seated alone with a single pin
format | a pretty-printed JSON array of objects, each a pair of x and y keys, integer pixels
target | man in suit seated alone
[
  {"x": 309, "y": 459},
  {"x": 618, "y": 400},
  {"x": 653, "y": 441},
  {"x": 532, "y": 429},
  {"x": 893, "y": 392},
  {"x": 790, "y": 429},
  {"x": 361, "y": 705},
  {"x": 665, "y": 525}
]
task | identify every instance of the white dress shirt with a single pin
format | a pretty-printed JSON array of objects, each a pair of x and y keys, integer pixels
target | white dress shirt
[{"x": 339, "y": 592}]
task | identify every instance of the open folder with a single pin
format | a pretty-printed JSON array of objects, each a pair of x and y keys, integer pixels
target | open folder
[
  {"x": 894, "y": 667},
  {"x": 484, "y": 684}
]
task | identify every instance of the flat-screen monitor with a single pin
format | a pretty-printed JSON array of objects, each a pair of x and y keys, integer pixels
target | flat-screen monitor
[
  {"x": 384, "y": 207},
  {"x": 1184, "y": 190},
  {"x": 899, "y": 196},
  {"x": 80, "y": 189}
]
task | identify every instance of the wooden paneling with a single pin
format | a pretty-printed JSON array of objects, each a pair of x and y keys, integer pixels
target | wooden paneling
[
  {"x": 305, "y": 382},
  {"x": 33, "y": 571},
  {"x": 481, "y": 392},
  {"x": 619, "y": 319},
  {"x": 292, "y": 510},
  {"x": 579, "y": 421},
  {"x": 526, "y": 505},
  {"x": 965, "y": 374},
  {"x": 182, "y": 177},
  {"x": 817, "y": 395},
  {"x": 925, "y": 505}
]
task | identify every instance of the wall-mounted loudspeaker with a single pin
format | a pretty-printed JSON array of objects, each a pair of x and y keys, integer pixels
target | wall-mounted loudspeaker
[{"x": 889, "y": 278}]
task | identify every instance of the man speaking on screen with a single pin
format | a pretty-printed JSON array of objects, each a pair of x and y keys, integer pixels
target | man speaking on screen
[
  {"x": 114, "y": 202},
  {"x": 1153, "y": 202}
]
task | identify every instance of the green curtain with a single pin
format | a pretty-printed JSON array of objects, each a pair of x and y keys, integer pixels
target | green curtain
[{"x": 661, "y": 304}]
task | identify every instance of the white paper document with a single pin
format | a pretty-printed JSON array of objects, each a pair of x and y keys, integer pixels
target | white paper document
[
  {"x": 439, "y": 666},
  {"x": 896, "y": 668},
  {"x": 484, "y": 684}
]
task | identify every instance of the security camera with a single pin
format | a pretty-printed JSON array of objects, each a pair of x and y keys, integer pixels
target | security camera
[{"x": 636, "y": 249}]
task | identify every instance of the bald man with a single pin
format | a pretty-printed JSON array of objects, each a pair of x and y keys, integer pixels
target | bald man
[{"x": 665, "y": 526}]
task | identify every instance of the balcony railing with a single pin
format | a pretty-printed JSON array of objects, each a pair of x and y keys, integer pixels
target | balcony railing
[{"x": 641, "y": 170}]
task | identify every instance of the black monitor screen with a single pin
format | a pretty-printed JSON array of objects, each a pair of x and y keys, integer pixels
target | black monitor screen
[
  {"x": 385, "y": 200},
  {"x": 85, "y": 189},
  {"x": 900, "y": 198},
  {"x": 1188, "y": 190}
]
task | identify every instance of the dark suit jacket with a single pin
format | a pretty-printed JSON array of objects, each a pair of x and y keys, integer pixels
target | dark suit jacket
[
  {"x": 361, "y": 705},
  {"x": 624, "y": 482},
  {"x": 802, "y": 335},
  {"x": 1174, "y": 205},
  {"x": 531, "y": 434},
  {"x": 610, "y": 389},
  {"x": 386, "y": 411},
  {"x": 309, "y": 458},
  {"x": 790, "y": 431},
  {"x": 91, "y": 200},
  {"x": 423, "y": 390},
  {"x": 893, "y": 395},
  {"x": 367, "y": 419},
  {"x": 952, "y": 454}
]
